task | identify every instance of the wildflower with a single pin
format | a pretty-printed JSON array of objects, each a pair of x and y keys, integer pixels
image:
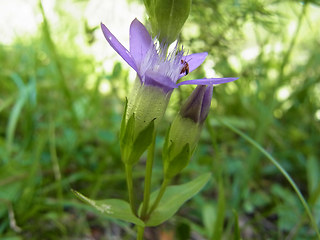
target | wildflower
[
  {"x": 152, "y": 65},
  {"x": 157, "y": 76}
]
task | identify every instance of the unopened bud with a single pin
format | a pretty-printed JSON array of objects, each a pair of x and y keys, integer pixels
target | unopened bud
[
  {"x": 198, "y": 104},
  {"x": 184, "y": 132},
  {"x": 167, "y": 17}
]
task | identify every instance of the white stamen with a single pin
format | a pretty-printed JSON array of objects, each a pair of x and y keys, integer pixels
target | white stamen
[{"x": 156, "y": 61}]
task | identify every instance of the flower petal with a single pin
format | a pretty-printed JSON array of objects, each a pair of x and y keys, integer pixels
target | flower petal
[
  {"x": 140, "y": 41},
  {"x": 158, "y": 80},
  {"x": 194, "y": 61},
  {"x": 206, "y": 102},
  {"x": 118, "y": 47},
  {"x": 192, "y": 107},
  {"x": 207, "y": 81}
]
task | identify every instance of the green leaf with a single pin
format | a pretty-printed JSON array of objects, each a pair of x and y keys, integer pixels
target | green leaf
[
  {"x": 165, "y": 149},
  {"x": 113, "y": 208},
  {"x": 173, "y": 199}
]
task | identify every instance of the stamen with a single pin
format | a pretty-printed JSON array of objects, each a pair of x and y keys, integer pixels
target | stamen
[{"x": 157, "y": 60}]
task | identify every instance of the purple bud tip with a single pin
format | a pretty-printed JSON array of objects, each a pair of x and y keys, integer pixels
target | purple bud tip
[{"x": 198, "y": 104}]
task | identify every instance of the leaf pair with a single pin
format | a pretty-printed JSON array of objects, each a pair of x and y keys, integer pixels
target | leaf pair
[{"x": 170, "y": 203}]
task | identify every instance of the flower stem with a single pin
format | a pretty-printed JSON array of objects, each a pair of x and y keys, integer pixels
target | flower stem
[
  {"x": 130, "y": 187},
  {"x": 147, "y": 180},
  {"x": 140, "y": 233},
  {"x": 160, "y": 195}
]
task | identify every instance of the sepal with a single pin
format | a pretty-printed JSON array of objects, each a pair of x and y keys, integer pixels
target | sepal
[
  {"x": 127, "y": 138},
  {"x": 133, "y": 147},
  {"x": 123, "y": 121},
  {"x": 173, "y": 165},
  {"x": 179, "y": 145},
  {"x": 141, "y": 143}
]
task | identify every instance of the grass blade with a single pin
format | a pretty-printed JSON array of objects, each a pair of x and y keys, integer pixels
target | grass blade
[{"x": 281, "y": 169}]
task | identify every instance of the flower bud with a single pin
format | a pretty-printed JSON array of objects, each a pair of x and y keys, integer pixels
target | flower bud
[
  {"x": 167, "y": 17},
  {"x": 198, "y": 104},
  {"x": 184, "y": 132}
]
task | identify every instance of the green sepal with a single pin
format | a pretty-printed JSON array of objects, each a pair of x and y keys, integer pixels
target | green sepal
[
  {"x": 173, "y": 198},
  {"x": 141, "y": 143},
  {"x": 133, "y": 147},
  {"x": 127, "y": 139},
  {"x": 175, "y": 165},
  {"x": 123, "y": 121},
  {"x": 113, "y": 208},
  {"x": 165, "y": 149}
]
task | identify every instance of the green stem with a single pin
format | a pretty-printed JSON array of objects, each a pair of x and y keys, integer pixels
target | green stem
[
  {"x": 130, "y": 187},
  {"x": 160, "y": 194},
  {"x": 147, "y": 179},
  {"x": 282, "y": 170},
  {"x": 140, "y": 233}
]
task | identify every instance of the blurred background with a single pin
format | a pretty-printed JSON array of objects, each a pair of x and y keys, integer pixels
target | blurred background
[{"x": 62, "y": 92}]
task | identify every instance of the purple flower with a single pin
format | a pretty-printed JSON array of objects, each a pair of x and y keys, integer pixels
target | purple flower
[{"x": 152, "y": 64}]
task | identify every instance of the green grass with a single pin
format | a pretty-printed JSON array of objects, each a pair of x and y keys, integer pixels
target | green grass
[{"x": 57, "y": 134}]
